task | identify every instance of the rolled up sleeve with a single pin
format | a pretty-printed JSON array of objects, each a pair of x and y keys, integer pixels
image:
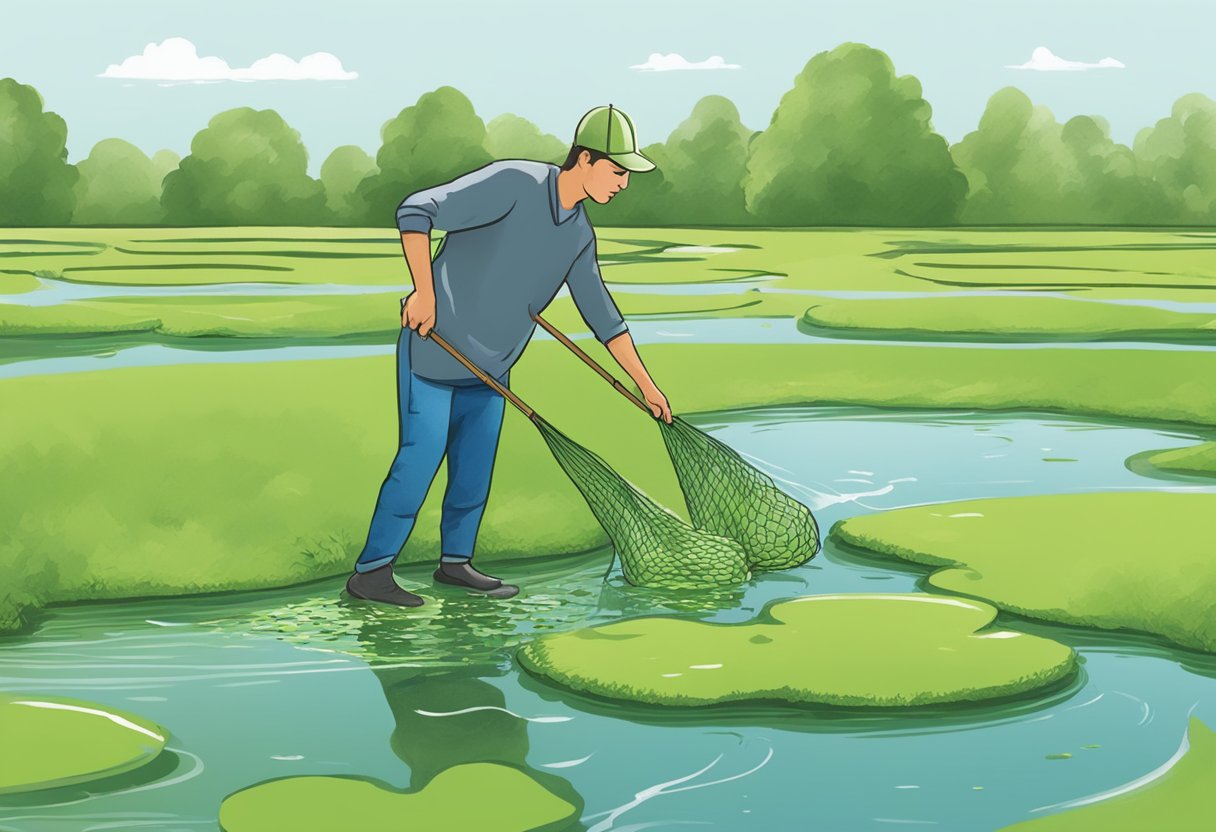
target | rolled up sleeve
[
  {"x": 477, "y": 198},
  {"x": 591, "y": 297}
]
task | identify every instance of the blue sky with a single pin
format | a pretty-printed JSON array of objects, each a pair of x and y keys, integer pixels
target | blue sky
[{"x": 551, "y": 62}]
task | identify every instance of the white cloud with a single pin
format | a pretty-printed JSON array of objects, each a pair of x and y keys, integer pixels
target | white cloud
[
  {"x": 177, "y": 59},
  {"x": 665, "y": 63},
  {"x": 1044, "y": 60}
]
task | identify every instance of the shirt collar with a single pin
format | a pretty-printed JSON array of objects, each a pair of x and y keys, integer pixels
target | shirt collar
[{"x": 555, "y": 203}]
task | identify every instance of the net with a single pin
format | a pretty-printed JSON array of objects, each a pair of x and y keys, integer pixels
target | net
[
  {"x": 728, "y": 497},
  {"x": 656, "y": 547}
]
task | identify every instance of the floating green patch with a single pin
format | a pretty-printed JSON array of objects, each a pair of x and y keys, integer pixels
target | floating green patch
[
  {"x": 1008, "y": 318},
  {"x": 1136, "y": 560},
  {"x": 1180, "y": 798},
  {"x": 486, "y": 797},
  {"x": 1197, "y": 460},
  {"x": 863, "y": 650},
  {"x": 50, "y": 742}
]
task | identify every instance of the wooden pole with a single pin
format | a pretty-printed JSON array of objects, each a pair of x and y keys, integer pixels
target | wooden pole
[
  {"x": 591, "y": 362},
  {"x": 504, "y": 392}
]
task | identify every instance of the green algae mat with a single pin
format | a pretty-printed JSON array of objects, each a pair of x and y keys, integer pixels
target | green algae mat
[
  {"x": 506, "y": 800},
  {"x": 50, "y": 742},
  {"x": 1009, "y": 318},
  {"x": 1139, "y": 560},
  {"x": 868, "y": 650},
  {"x": 1179, "y": 800}
]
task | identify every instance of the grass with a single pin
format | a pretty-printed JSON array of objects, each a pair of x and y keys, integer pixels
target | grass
[
  {"x": 1123, "y": 560},
  {"x": 883, "y": 651},
  {"x": 198, "y": 478}
]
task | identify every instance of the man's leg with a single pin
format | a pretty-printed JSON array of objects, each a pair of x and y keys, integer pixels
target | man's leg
[
  {"x": 424, "y": 409},
  {"x": 472, "y": 443},
  {"x": 476, "y": 422}
]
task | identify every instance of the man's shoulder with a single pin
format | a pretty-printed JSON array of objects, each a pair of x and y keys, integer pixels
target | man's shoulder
[{"x": 522, "y": 169}]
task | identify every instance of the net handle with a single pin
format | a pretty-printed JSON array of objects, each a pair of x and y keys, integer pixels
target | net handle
[
  {"x": 591, "y": 362},
  {"x": 502, "y": 391}
]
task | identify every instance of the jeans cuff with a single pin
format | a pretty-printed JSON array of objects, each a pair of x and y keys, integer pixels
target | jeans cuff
[
  {"x": 455, "y": 558},
  {"x": 360, "y": 566}
]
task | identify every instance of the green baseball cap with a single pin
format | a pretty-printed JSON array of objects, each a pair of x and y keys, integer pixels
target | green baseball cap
[{"x": 610, "y": 131}]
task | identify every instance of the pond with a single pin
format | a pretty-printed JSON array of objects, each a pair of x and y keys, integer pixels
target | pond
[
  {"x": 298, "y": 681},
  {"x": 27, "y": 357}
]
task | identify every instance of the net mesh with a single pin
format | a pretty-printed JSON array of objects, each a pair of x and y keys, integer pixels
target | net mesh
[
  {"x": 656, "y": 547},
  {"x": 728, "y": 497}
]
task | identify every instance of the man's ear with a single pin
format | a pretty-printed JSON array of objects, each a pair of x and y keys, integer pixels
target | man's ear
[{"x": 584, "y": 157}]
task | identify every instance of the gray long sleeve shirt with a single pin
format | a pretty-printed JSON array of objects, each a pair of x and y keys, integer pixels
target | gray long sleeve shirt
[{"x": 510, "y": 246}]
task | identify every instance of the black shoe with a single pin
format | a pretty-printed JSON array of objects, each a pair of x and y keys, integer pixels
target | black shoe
[
  {"x": 463, "y": 574},
  {"x": 378, "y": 585}
]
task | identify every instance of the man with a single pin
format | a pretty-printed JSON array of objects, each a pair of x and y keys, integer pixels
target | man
[{"x": 516, "y": 232}]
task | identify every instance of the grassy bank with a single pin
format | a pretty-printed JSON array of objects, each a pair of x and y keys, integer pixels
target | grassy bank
[{"x": 194, "y": 478}]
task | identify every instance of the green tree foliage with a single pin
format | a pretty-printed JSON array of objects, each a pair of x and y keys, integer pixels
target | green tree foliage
[
  {"x": 706, "y": 163},
  {"x": 1025, "y": 167},
  {"x": 510, "y": 136},
  {"x": 118, "y": 185},
  {"x": 341, "y": 174},
  {"x": 247, "y": 167},
  {"x": 35, "y": 179},
  {"x": 428, "y": 143},
  {"x": 851, "y": 144},
  {"x": 164, "y": 161},
  {"x": 1179, "y": 152}
]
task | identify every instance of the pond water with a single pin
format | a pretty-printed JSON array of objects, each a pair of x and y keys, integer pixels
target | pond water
[
  {"x": 20, "y": 357},
  {"x": 298, "y": 681},
  {"x": 51, "y": 292}
]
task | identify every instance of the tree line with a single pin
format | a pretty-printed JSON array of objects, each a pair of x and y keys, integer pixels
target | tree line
[{"x": 849, "y": 144}]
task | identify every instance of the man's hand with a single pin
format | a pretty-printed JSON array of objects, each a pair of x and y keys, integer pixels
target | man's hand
[
  {"x": 622, "y": 349},
  {"x": 659, "y": 408},
  {"x": 418, "y": 313}
]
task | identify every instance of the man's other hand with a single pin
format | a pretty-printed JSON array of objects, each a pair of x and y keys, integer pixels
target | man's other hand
[
  {"x": 659, "y": 408},
  {"x": 418, "y": 313}
]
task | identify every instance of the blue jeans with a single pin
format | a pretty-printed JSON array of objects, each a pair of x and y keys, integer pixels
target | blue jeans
[{"x": 435, "y": 419}]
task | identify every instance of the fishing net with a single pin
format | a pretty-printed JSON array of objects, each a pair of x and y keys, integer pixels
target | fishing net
[
  {"x": 729, "y": 498},
  {"x": 656, "y": 547}
]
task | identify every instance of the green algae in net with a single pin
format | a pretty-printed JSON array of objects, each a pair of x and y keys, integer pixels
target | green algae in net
[
  {"x": 728, "y": 497},
  {"x": 656, "y": 547}
]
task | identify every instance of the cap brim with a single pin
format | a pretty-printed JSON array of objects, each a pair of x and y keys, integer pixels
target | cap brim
[{"x": 635, "y": 162}]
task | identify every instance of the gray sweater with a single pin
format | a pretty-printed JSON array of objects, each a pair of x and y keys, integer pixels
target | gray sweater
[{"x": 509, "y": 248}]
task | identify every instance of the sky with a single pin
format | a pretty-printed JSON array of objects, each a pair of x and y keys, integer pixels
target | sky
[{"x": 551, "y": 62}]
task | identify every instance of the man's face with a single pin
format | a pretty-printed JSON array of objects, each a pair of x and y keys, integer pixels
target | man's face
[{"x": 604, "y": 179}]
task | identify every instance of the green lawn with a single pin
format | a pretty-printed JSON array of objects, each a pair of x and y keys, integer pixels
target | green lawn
[{"x": 192, "y": 478}]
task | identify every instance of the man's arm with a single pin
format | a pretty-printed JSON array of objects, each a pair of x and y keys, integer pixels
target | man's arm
[
  {"x": 477, "y": 198},
  {"x": 599, "y": 311},
  {"x": 419, "y": 310},
  {"x": 626, "y": 355}
]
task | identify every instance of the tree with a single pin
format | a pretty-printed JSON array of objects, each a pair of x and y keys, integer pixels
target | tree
[
  {"x": 1179, "y": 152},
  {"x": 428, "y": 143},
  {"x": 341, "y": 174},
  {"x": 35, "y": 179},
  {"x": 247, "y": 167},
  {"x": 706, "y": 163},
  {"x": 118, "y": 185},
  {"x": 510, "y": 136},
  {"x": 851, "y": 144}
]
